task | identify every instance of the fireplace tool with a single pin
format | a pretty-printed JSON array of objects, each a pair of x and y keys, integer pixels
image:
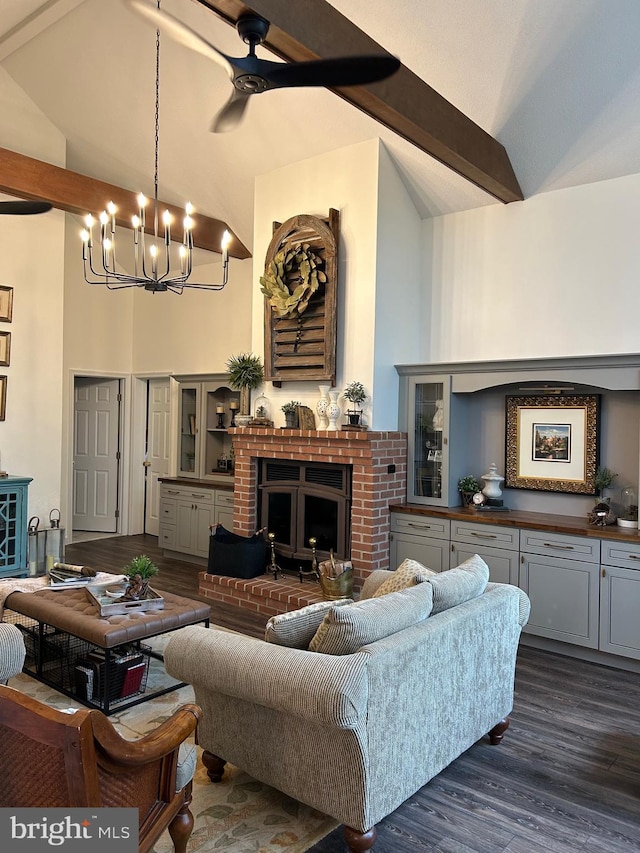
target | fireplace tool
[{"x": 274, "y": 568}]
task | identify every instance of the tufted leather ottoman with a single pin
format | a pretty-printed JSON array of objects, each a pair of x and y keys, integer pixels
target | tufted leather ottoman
[{"x": 72, "y": 611}]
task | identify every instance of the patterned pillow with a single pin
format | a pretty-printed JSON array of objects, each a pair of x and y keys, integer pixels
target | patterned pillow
[
  {"x": 346, "y": 629},
  {"x": 458, "y": 585},
  {"x": 409, "y": 573},
  {"x": 296, "y": 629}
]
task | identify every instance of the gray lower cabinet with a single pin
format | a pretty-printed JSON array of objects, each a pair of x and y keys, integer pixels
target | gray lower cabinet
[
  {"x": 186, "y": 515},
  {"x": 620, "y": 599},
  {"x": 419, "y": 538},
  {"x": 561, "y": 575},
  {"x": 498, "y": 547}
]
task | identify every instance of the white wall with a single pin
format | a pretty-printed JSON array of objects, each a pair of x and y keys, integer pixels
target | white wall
[
  {"x": 32, "y": 263},
  {"x": 554, "y": 275}
]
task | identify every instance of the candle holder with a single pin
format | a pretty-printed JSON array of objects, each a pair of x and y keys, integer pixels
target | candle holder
[
  {"x": 221, "y": 420},
  {"x": 274, "y": 568}
]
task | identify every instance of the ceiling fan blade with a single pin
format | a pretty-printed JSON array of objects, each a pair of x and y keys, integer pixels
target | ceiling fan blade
[
  {"x": 345, "y": 71},
  {"x": 231, "y": 113},
  {"x": 180, "y": 32},
  {"x": 23, "y": 208}
]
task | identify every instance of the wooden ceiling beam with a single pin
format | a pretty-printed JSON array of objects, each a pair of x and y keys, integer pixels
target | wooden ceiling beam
[
  {"x": 313, "y": 29},
  {"x": 25, "y": 177}
]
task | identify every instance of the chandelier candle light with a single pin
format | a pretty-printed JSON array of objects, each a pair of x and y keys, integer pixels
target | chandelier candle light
[{"x": 153, "y": 273}]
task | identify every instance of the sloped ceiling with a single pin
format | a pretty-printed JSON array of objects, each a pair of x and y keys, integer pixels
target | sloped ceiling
[{"x": 555, "y": 81}]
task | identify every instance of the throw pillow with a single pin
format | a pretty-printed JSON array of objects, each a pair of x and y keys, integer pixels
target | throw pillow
[
  {"x": 346, "y": 629},
  {"x": 466, "y": 581},
  {"x": 409, "y": 573},
  {"x": 296, "y": 628}
]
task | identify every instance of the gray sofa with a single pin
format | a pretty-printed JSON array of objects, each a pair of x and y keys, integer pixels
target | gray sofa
[
  {"x": 12, "y": 651},
  {"x": 355, "y": 734}
]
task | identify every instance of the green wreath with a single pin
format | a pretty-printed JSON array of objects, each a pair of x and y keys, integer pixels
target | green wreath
[{"x": 291, "y": 279}]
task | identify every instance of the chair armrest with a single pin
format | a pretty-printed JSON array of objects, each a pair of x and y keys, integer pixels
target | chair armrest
[
  {"x": 12, "y": 651},
  {"x": 325, "y": 688}
]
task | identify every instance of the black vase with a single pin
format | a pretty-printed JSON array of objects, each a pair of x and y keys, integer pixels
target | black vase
[{"x": 354, "y": 418}]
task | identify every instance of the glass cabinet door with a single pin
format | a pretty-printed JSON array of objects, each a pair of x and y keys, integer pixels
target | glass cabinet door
[
  {"x": 428, "y": 441},
  {"x": 188, "y": 461}
]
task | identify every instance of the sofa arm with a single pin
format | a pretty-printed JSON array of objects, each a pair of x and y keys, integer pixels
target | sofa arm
[
  {"x": 524, "y": 604},
  {"x": 325, "y": 688},
  {"x": 12, "y": 651}
]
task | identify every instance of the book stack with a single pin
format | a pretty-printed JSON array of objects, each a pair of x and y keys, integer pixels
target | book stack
[{"x": 126, "y": 674}]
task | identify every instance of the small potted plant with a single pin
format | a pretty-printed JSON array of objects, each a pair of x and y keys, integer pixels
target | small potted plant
[
  {"x": 245, "y": 372},
  {"x": 139, "y": 571},
  {"x": 290, "y": 410},
  {"x": 356, "y": 394},
  {"x": 603, "y": 480},
  {"x": 468, "y": 486}
]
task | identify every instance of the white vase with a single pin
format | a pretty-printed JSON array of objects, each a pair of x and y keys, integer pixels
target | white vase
[
  {"x": 322, "y": 405},
  {"x": 333, "y": 411}
]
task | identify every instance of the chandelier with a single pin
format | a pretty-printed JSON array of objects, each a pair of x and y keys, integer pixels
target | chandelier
[{"x": 153, "y": 269}]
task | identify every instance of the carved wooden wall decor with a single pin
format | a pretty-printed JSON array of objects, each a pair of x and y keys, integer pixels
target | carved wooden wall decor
[{"x": 299, "y": 283}]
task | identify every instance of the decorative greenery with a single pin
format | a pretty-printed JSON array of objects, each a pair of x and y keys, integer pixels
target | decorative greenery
[
  {"x": 141, "y": 565},
  {"x": 629, "y": 513},
  {"x": 355, "y": 392},
  {"x": 291, "y": 279},
  {"x": 468, "y": 484},
  {"x": 245, "y": 371},
  {"x": 603, "y": 479},
  {"x": 291, "y": 407}
]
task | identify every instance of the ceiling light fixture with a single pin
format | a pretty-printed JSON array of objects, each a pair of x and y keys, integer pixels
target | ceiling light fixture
[{"x": 154, "y": 272}]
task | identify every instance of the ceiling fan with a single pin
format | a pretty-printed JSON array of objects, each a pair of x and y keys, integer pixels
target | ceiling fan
[
  {"x": 23, "y": 208},
  {"x": 251, "y": 75}
]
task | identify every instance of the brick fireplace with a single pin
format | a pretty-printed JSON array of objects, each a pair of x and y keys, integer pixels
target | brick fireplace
[{"x": 379, "y": 477}]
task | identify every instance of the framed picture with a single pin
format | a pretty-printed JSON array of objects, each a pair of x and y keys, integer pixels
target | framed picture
[
  {"x": 552, "y": 443},
  {"x": 6, "y": 304},
  {"x": 5, "y": 349},
  {"x": 306, "y": 418},
  {"x": 3, "y": 397}
]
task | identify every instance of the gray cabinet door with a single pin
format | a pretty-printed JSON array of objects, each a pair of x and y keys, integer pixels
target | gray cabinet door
[
  {"x": 431, "y": 553},
  {"x": 619, "y": 608},
  {"x": 503, "y": 564},
  {"x": 564, "y": 598}
]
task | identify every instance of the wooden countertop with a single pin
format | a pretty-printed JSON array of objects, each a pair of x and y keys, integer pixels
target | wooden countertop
[
  {"x": 574, "y": 525},
  {"x": 222, "y": 481}
]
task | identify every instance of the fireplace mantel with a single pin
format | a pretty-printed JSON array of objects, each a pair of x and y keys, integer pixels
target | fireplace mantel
[{"x": 379, "y": 477}]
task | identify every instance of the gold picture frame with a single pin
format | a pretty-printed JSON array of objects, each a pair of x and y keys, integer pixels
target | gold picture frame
[
  {"x": 5, "y": 349},
  {"x": 6, "y": 304},
  {"x": 552, "y": 443},
  {"x": 3, "y": 397}
]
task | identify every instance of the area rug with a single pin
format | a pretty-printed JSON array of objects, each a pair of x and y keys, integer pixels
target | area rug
[{"x": 239, "y": 814}]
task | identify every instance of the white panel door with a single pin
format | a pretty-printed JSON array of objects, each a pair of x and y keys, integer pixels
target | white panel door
[
  {"x": 95, "y": 454},
  {"x": 157, "y": 461}
]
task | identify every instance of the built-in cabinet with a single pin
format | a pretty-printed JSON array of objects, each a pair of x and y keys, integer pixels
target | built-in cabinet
[
  {"x": 204, "y": 415},
  {"x": 187, "y": 514},
  {"x": 13, "y": 526},
  {"x": 584, "y": 590}
]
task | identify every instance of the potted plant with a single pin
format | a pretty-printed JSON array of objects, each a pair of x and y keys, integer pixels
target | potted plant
[
  {"x": 468, "y": 486},
  {"x": 290, "y": 410},
  {"x": 603, "y": 480},
  {"x": 356, "y": 394},
  {"x": 245, "y": 372},
  {"x": 139, "y": 571}
]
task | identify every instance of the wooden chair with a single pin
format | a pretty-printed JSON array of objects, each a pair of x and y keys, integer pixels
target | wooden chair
[{"x": 52, "y": 758}]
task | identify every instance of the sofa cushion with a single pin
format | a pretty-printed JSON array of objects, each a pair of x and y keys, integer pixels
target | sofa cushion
[
  {"x": 346, "y": 629},
  {"x": 409, "y": 573},
  {"x": 296, "y": 628},
  {"x": 466, "y": 581}
]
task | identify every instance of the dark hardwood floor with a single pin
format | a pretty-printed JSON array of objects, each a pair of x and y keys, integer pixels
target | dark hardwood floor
[{"x": 565, "y": 779}]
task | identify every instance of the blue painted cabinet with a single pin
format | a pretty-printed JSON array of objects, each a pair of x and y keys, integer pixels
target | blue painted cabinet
[{"x": 13, "y": 526}]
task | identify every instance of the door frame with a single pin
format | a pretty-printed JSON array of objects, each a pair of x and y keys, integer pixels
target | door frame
[{"x": 139, "y": 443}]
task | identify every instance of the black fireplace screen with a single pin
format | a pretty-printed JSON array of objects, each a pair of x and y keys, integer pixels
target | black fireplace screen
[{"x": 298, "y": 501}]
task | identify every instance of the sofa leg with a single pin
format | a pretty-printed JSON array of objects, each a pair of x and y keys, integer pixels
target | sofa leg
[
  {"x": 181, "y": 826},
  {"x": 497, "y": 732},
  {"x": 359, "y": 842},
  {"x": 214, "y": 765}
]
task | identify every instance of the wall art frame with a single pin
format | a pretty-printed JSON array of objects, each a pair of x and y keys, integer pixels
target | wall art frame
[
  {"x": 551, "y": 442},
  {"x": 3, "y": 398},
  {"x": 5, "y": 349},
  {"x": 6, "y": 303}
]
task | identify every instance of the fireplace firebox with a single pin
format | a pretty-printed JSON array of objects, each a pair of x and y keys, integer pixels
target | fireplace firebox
[{"x": 299, "y": 501}]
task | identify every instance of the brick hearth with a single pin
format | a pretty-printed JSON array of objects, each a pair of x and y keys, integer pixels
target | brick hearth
[
  {"x": 379, "y": 477},
  {"x": 262, "y": 595}
]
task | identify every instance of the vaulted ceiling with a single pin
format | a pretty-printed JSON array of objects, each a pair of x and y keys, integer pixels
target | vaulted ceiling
[{"x": 556, "y": 82}]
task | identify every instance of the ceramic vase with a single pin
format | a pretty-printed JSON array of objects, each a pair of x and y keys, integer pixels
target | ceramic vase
[
  {"x": 333, "y": 411},
  {"x": 321, "y": 407}
]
